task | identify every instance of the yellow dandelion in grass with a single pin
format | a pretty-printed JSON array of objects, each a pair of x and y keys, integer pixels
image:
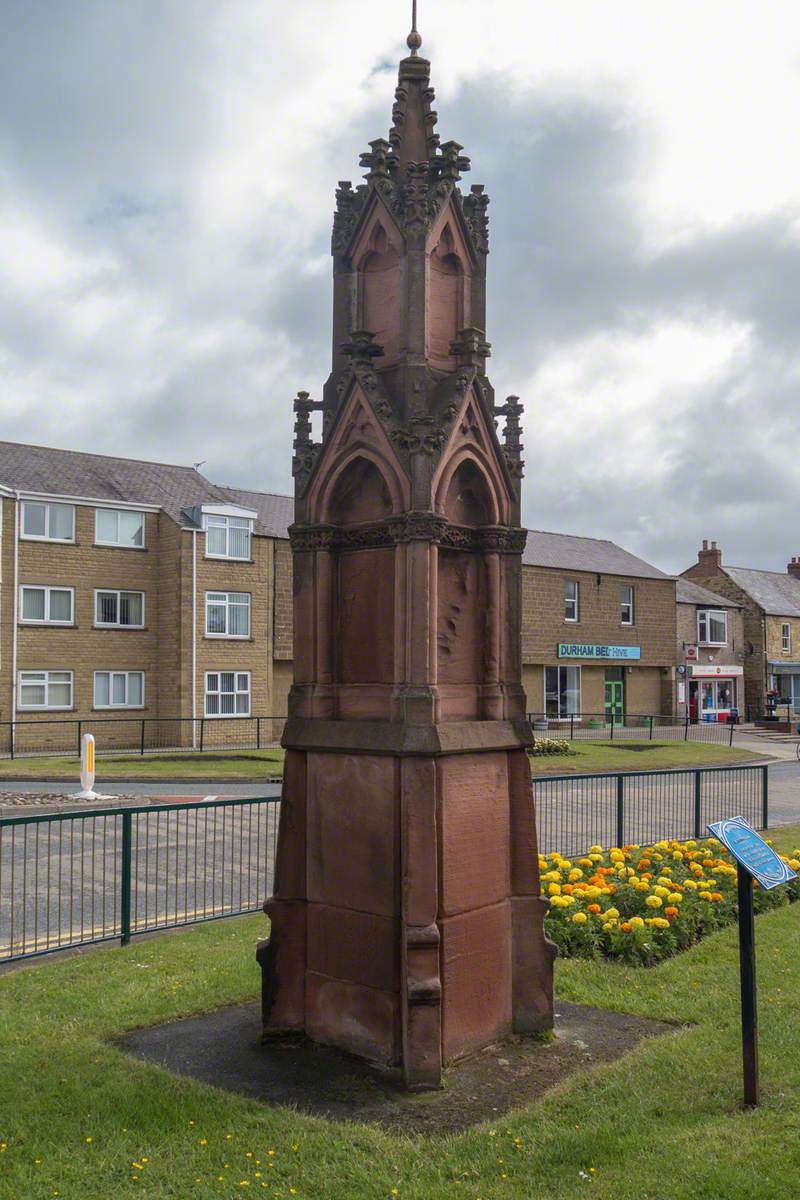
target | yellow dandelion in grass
[
  {"x": 88, "y": 1139},
  {"x": 203, "y": 1141}
]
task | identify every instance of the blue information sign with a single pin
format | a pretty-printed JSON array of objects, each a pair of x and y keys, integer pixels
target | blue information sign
[
  {"x": 584, "y": 650},
  {"x": 752, "y": 852}
]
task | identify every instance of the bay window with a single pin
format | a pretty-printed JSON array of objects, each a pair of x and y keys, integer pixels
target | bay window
[{"x": 227, "y": 537}]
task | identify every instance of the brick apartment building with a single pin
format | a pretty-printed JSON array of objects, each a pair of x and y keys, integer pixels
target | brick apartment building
[
  {"x": 133, "y": 589},
  {"x": 599, "y": 629},
  {"x": 710, "y": 654},
  {"x": 770, "y": 604}
]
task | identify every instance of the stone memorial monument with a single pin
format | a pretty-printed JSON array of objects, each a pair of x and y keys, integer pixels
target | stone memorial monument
[{"x": 406, "y": 921}]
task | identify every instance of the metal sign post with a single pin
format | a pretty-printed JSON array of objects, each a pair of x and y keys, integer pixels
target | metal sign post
[{"x": 756, "y": 860}]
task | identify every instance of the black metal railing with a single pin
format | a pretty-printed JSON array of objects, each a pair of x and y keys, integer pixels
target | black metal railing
[
  {"x": 588, "y": 727},
  {"x": 76, "y": 878},
  {"x": 138, "y": 735},
  {"x": 574, "y": 812}
]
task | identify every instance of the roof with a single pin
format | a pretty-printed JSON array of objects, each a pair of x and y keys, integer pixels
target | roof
[
  {"x": 568, "y": 553},
  {"x": 777, "y": 593},
  {"x": 275, "y": 513},
  {"x": 102, "y": 477},
  {"x": 689, "y": 592}
]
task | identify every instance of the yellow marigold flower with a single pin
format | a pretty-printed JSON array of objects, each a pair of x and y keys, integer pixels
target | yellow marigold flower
[
  {"x": 565, "y": 864},
  {"x": 609, "y": 925},
  {"x": 794, "y": 863},
  {"x": 616, "y": 856},
  {"x": 566, "y": 901},
  {"x": 661, "y": 891},
  {"x": 575, "y": 873},
  {"x": 595, "y": 850},
  {"x": 554, "y": 889},
  {"x": 596, "y": 858},
  {"x": 653, "y": 901},
  {"x": 592, "y": 892},
  {"x": 660, "y": 923},
  {"x": 674, "y": 898},
  {"x": 662, "y": 845},
  {"x": 690, "y": 884},
  {"x": 579, "y": 918},
  {"x": 705, "y": 895},
  {"x": 585, "y": 862},
  {"x": 636, "y": 923},
  {"x": 612, "y": 914},
  {"x": 642, "y": 886},
  {"x": 677, "y": 855}
]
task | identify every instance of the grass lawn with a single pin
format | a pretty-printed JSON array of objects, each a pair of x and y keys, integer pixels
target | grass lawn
[
  {"x": 80, "y": 1120},
  {"x": 247, "y": 765},
  {"x": 243, "y": 765},
  {"x": 638, "y": 756}
]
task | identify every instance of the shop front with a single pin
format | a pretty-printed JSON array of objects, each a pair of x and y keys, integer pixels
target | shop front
[
  {"x": 714, "y": 691},
  {"x": 784, "y": 683}
]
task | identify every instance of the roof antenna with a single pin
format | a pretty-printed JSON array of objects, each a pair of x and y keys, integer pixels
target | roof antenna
[
  {"x": 198, "y": 465},
  {"x": 413, "y": 41}
]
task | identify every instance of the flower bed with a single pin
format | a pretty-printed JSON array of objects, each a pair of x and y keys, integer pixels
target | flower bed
[
  {"x": 641, "y": 904},
  {"x": 548, "y": 745}
]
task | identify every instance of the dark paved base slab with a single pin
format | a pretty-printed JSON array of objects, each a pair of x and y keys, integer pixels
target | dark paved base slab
[{"x": 224, "y": 1048}]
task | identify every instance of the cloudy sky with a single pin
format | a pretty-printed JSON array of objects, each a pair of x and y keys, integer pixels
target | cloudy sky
[{"x": 167, "y": 170}]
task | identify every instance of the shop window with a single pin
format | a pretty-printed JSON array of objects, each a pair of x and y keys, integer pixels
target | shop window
[
  {"x": 712, "y": 627},
  {"x": 626, "y": 604},
  {"x": 786, "y": 638},
  {"x": 562, "y": 691},
  {"x": 570, "y": 600}
]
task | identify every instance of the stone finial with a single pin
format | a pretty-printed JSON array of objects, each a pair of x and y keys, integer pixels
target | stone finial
[
  {"x": 470, "y": 347},
  {"x": 512, "y": 410},
  {"x": 475, "y": 205},
  {"x": 361, "y": 348}
]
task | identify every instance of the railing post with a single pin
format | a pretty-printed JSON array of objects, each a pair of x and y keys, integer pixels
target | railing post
[
  {"x": 258, "y": 733},
  {"x": 612, "y": 725},
  {"x": 13, "y": 738},
  {"x": 79, "y": 739},
  {"x": 125, "y": 892},
  {"x": 141, "y": 740},
  {"x": 730, "y": 739},
  {"x": 698, "y": 832},
  {"x": 202, "y": 732},
  {"x": 686, "y": 729},
  {"x": 651, "y": 729},
  {"x": 572, "y": 727},
  {"x": 765, "y": 797},
  {"x": 620, "y": 809}
]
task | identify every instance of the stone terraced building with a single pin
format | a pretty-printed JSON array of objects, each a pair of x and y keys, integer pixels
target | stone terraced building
[{"x": 133, "y": 590}]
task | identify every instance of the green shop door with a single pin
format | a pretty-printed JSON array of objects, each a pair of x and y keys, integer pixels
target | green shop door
[{"x": 615, "y": 696}]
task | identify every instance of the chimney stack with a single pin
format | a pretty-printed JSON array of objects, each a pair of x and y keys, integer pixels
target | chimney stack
[
  {"x": 709, "y": 559},
  {"x": 794, "y": 567}
]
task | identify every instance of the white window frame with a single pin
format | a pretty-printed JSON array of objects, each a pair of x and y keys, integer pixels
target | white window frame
[
  {"x": 224, "y": 601},
  {"x": 219, "y": 521},
  {"x": 704, "y": 616},
  {"x": 221, "y": 716},
  {"x": 786, "y": 637},
  {"x": 111, "y": 704},
  {"x": 118, "y": 512},
  {"x": 573, "y": 600},
  {"x": 45, "y": 537},
  {"x": 43, "y": 677},
  {"x": 47, "y": 589},
  {"x": 98, "y": 624},
  {"x": 628, "y": 604},
  {"x": 563, "y": 667}
]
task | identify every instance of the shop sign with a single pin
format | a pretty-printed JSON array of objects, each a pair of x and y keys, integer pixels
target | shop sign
[
  {"x": 604, "y": 653},
  {"x": 691, "y": 654},
  {"x": 712, "y": 671}
]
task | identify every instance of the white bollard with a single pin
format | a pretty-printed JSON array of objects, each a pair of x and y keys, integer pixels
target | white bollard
[{"x": 87, "y": 771}]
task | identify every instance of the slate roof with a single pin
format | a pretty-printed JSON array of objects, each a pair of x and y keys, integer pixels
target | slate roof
[
  {"x": 566, "y": 552},
  {"x": 775, "y": 592},
  {"x": 689, "y": 592}
]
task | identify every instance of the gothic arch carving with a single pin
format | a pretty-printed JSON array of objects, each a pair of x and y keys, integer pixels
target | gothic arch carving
[
  {"x": 446, "y": 298},
  {"x": 359, "y": 469},
  {"x": 483, "y": 495}
]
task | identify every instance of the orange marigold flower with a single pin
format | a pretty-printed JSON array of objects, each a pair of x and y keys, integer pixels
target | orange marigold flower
[
  {"x": 716, "y": 895},
  {"x": 593, "y": 908},
  {"x": 569, "y": 888},
  {"x": 625, "y": 926},
  {"x": 672, "y": 911}
]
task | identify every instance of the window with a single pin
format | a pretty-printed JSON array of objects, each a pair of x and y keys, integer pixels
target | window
[
  {"x": 626, "y": 604},
  {"x": 227, "y": 537},
  {"x": 786, "y": 638},
  {"x": 48, "y": 522},
  {"x": 562, "y": 691},
  {"x": 570, "y": 600},
  {"x": 46, "y": 605},
  {"x": 118, "y": 689},
  {"x": 228, "y": 614},
  {"x": 228, "y": 694},
  {"x": 712, "y": 627},
  {"x": 45, "y": 689},
  {"x": 124, "y": 609},
  {"x": 114, "y": 527}
]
